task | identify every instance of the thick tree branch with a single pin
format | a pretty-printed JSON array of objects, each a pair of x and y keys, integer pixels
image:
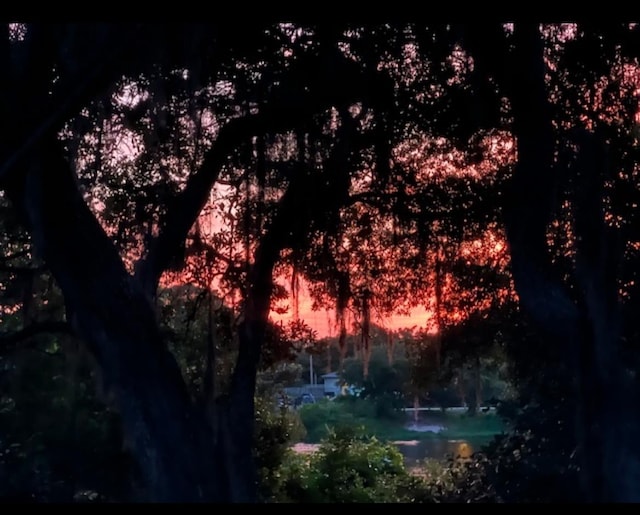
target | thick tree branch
[
  {"x": 71, "y": 92},
  {"x": 20, "y": 269},
  {"x": 531, "y": 194},
  {"x": 108, "y": 310},
  {"x": 289, "y": 106},
  {"x": 311, "y": 196},
  {"x": 15, "y": 255},
  {"x": 609, "y": 432},
  {"x": 10, "y": 341}
]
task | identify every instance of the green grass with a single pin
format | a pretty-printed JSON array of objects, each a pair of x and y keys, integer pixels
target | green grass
[{"x": 319, "y": 417}]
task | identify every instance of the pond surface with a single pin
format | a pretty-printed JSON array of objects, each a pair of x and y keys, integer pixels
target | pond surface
[
  {"x": 416, "y": 451},
  {"x": 436, "y": 446}
]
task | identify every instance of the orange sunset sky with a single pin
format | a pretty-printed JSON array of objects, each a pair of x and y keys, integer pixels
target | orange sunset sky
[{"x": 324, "y": 321}]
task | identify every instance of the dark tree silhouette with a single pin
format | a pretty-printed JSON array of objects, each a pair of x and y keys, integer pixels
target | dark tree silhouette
[{"x": 336, "y": 144}]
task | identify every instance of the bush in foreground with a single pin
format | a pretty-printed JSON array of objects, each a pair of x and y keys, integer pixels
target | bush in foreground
[{"x": 348, "y": 467}]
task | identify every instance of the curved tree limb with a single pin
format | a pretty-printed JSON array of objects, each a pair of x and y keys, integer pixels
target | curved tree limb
[
  {"x": 12, "y": 340},
  {"x": 112, "y": 313},
  {"x": 309, "y": 197},
  {"x": 293, "y": 104},
  {"x": 73, "y": 90}
]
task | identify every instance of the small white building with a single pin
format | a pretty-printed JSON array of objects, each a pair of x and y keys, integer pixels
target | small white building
[{"x": 331, "y": 384}]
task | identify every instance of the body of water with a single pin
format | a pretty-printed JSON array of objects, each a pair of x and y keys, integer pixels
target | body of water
[{"x": 436, "y": 447}]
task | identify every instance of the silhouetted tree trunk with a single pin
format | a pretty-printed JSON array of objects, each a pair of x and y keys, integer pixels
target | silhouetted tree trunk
[
  {"x": 584, "y": 321},
  {"x": 478, "y": 382},
  {"x": 182, "y": 454},
  {"x": 476, "y": 399},
  {"x": 460, "y": 387},
  {"x": 108, "y": 309}
]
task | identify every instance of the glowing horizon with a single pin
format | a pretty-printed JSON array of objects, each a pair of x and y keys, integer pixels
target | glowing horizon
[{"x": 324, "y": 321}]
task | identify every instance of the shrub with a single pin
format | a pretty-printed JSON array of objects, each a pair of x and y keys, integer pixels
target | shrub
[
  {"x": 275, "y": 431},
  {"x": 349, "y": 467},
  {"x": 320, "y": 417}
]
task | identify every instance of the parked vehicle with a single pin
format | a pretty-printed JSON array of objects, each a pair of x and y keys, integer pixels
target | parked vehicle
[{"x": 305, "y": 398}]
